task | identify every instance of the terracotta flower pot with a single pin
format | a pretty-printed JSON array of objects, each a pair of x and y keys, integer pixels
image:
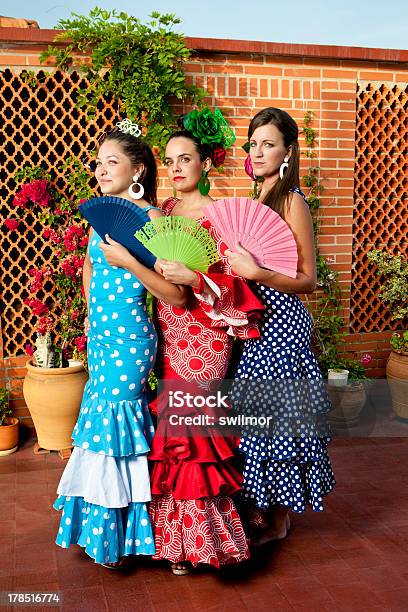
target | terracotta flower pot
[
  {"x": 397, "y": 376},
  {"x": 53, "y": 397},
  {"x": 347, "y": 403},
  {"x": 9, "y": 436}
]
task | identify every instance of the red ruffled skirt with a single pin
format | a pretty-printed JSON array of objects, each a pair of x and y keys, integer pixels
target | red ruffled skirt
[{"x": 193, "y": 477}]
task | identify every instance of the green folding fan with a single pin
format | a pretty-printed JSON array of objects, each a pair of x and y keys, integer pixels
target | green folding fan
[{"x": 179, "y": 239}]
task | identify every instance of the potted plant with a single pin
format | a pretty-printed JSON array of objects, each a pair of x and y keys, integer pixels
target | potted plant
[
  {"x": 8, "y": 426},
  {"x": 348, "y": 400},
  {"x": 52, "y": 389},
  {"x": 394, "y": 294},
  {"x": 397, "y": 373}
]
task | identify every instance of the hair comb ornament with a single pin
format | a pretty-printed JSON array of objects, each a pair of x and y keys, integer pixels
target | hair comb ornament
[{"x": 128, "y": 127}]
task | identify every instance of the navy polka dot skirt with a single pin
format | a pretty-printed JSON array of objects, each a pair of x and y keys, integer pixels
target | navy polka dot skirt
[{"x": 278, "y": 376}]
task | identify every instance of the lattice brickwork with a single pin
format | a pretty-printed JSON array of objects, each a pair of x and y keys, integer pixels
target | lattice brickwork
[
  {"x": 381, "y": 195},
  {"x": 42, "y": 127}
]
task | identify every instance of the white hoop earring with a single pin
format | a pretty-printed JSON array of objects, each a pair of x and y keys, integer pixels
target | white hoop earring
[
  {"x": 140, "y": 189},
  {"x": 283, "y": 167}
]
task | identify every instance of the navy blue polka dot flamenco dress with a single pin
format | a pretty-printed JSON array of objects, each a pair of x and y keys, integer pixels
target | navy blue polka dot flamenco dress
[
  {"x": 278, "y": 376},
  {"x": 105, "y": 488}
]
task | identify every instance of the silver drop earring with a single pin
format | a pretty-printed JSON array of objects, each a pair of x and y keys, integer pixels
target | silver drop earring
[
  {"x": 284, "y": 166},
  {"x": 136, "y": 185}
]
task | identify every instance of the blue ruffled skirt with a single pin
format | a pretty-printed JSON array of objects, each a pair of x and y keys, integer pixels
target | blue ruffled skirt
[{"x": 105, "y": 488}]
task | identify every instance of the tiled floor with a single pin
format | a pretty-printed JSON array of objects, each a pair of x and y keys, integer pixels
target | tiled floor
[{"x": 354, "y": 556}]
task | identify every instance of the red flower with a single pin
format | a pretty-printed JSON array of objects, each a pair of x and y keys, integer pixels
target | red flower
[
  {"x": 80, "y": 343},
  {"x": 47, "y": 233},
  {"x": 218, "y": 156},
  {"x": 20, "y": 200},
  {"x": 44, "y": 325},
  {"x": 38, "y": 307},
  {"x": 72, "y": 266},
  {"x": 11, "y": 224},
  {"x": 37, "y": 192},
  {"x": 81, "y": 201},
  {"x": 38, "y": 280},
  {"x": 366, "y": 359},
  {"x": 29, "y": 350},
  {"x": 73, "y": 236}
]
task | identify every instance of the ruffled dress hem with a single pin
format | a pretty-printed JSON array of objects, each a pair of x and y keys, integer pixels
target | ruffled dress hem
[
  {"x": 105, "y": 534},
  {"x": 199, "y": 531}
]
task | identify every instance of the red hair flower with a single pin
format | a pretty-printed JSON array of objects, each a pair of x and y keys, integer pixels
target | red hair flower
[{"x": 218, "y": 156}]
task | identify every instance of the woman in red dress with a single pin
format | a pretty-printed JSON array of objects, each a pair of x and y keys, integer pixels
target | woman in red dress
[{"x": 193, "y": 477}]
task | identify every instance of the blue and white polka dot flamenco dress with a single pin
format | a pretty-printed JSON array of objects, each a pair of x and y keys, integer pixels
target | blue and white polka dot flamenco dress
[
  {"x": 105, "y": 488},
  {"x": 289, "y": 465}
]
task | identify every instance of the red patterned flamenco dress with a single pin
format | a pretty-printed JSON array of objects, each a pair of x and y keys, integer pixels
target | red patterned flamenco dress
[{"x": 193, "y": 478}]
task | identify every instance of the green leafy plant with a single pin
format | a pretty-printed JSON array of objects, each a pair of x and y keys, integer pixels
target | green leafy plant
[
  {"x": 399, "y": 341},
  {"x": 140, "y": 65},
  {"x": 5, "y": 410},
  {"x": 394, "y": 291}
]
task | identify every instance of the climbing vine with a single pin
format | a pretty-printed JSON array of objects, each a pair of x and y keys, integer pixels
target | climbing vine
[
  {"x": 139, "y": 65},
  {"x": 328, "y": 323}
]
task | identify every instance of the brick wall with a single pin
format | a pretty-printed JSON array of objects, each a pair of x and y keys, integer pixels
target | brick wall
[{"x": 243, "y": 77}]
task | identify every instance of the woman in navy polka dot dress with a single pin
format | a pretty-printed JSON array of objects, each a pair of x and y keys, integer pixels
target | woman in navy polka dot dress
[
  {"x": 104, "y": 490},
  {"x": 288, "y": 467}
]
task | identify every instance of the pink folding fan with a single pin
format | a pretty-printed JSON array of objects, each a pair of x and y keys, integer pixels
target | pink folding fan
[{"x": 259, "y": 229}]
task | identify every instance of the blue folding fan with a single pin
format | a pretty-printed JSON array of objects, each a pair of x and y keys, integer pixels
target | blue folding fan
[{"x": 120, "y": 219}]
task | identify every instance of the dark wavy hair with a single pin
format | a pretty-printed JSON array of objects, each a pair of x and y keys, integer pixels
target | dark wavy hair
[
  {"x": 277, "y": 196},
  {"x": 204, "y": 150},
  {"x": 139, "y": 153}
]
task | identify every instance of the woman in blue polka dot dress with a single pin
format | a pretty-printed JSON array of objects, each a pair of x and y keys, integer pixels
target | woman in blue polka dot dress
[
  {"x": 104, "y": 490},
  {"x": 288, "y": 466}
]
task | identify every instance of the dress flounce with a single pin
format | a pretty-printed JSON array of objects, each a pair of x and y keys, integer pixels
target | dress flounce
[
  {"x": 117, "y": 429},
  {"x": 106, "y": 534},
  {"x": 200, "y": 531},
  {"x": 121, "y": 480},
  {"x": 287, "y": 471}
]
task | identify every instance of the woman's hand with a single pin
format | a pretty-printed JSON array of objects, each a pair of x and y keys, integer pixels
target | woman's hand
[
  {"x": 87, "y": 326},
  {"x": 157, "y": 267},
  {"x": 115, "y": 254},
  {"x": 177, "y": 273},
  {"x": 242, "y": 263}
]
